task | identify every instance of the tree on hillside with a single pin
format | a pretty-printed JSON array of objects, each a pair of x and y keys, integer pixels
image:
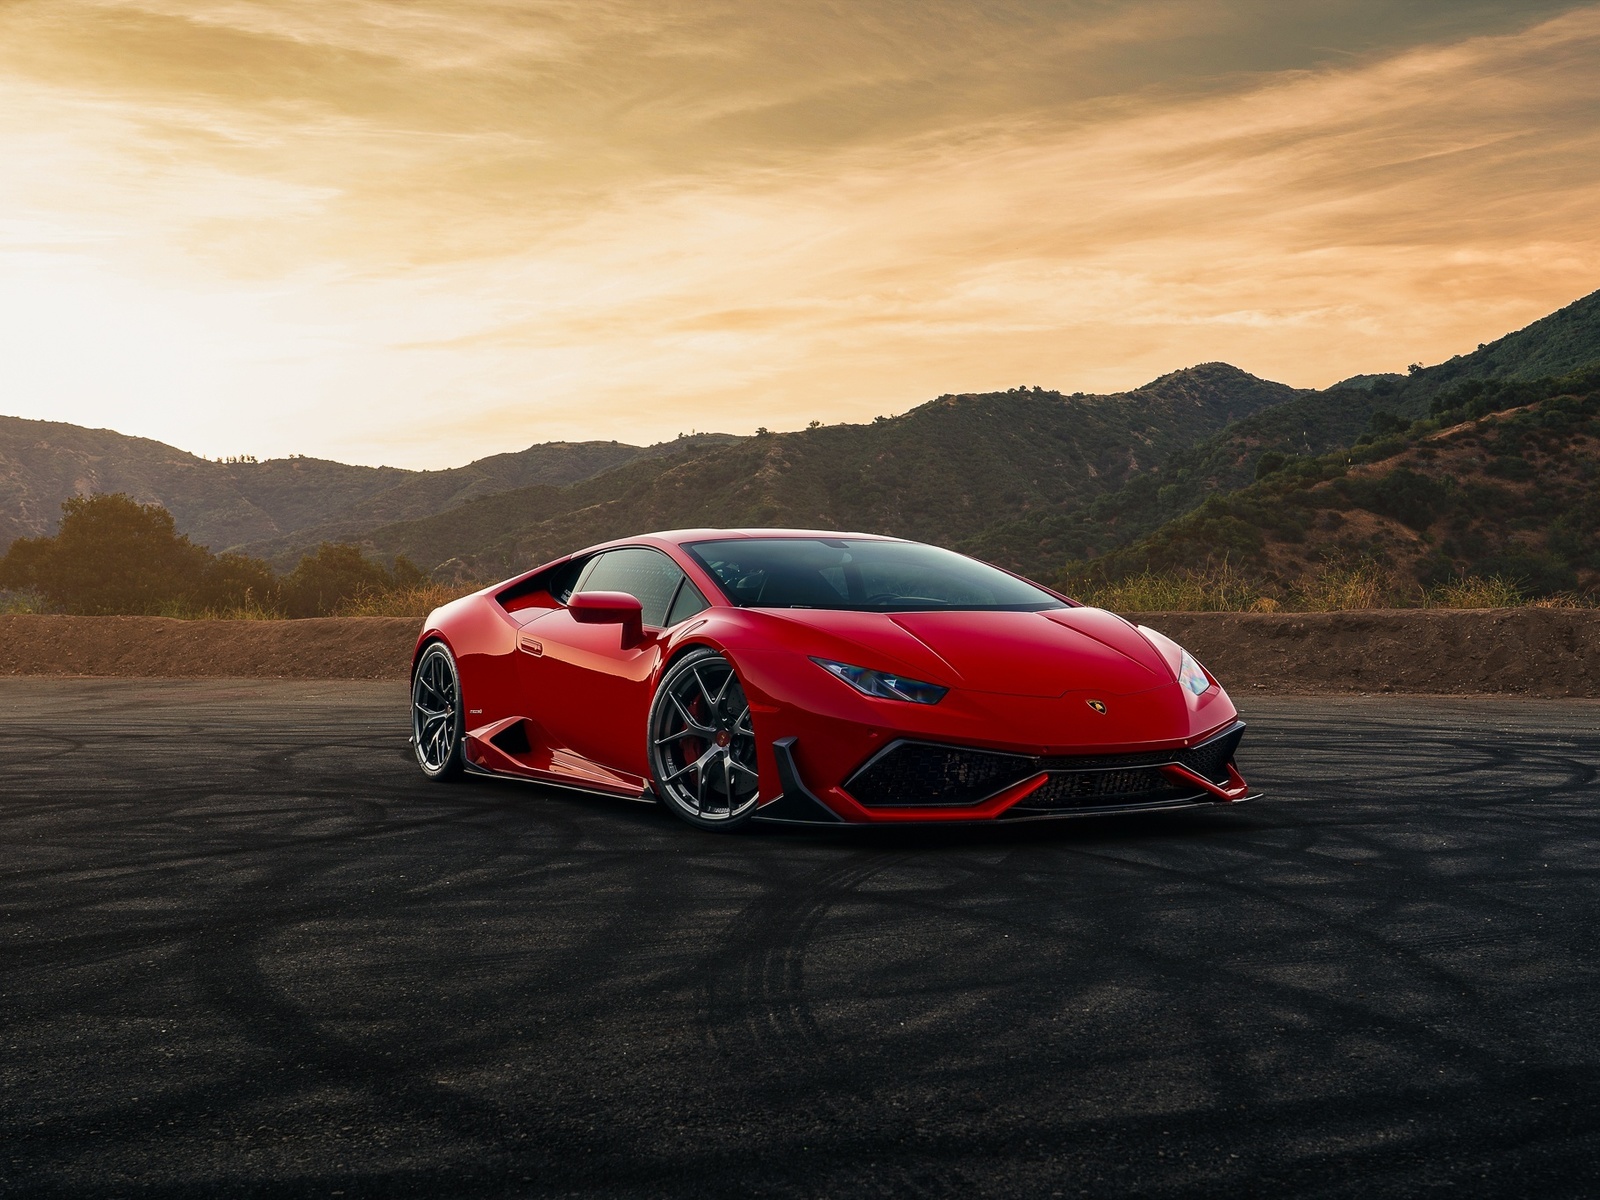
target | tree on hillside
[
  {"x": 111, "y": 555},
  {"x": 115, "y": 556},
  {"x": 234, "y": 581},
  {"x": 19, "y": 566},
  {"x": 337, "y": 573}
]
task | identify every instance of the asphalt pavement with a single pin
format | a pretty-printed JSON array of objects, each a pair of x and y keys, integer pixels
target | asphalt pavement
[{"x": 247, "y": 950}]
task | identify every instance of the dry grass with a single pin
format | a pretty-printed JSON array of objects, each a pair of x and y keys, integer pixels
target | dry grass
[
  {"x": 1565, "y": 600},
  {"x": 1217, "y": 589},
  {"x": 251, "y": 610},
  {"x": 1348, "y": 587},
  {"x": 415, "y": 602},
  {"x": 23, "y": 603},
  {"x": 1476, "y": 591},
  {"x": 1362, "y": 585}
]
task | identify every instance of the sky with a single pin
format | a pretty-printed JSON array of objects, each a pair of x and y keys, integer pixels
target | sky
[{"x": 417, "y": 232}]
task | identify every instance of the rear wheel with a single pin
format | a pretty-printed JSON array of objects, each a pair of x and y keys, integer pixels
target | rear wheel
[
  {"x": 436, "y": 722},
  {"x": 702, "y": 746}
]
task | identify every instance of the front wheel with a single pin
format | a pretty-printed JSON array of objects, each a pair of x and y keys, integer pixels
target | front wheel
[
  {"x": 702, "y": 746},
  {"x": 436, "y": 718}
]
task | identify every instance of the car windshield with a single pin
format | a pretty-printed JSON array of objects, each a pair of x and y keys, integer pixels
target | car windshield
[{"x": 869, "y": 576}]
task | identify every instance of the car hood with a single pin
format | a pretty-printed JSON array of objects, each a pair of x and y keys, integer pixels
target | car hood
[{"x": 1013, "y": 653}]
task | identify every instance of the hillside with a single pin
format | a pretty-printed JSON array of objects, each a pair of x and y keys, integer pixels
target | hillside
[
  {"x": 1565, "y": 341},
  {"x": 263, "y": 504},
  {"x": 1502, "y": 478},
  {"x": 42, "y": 463},
  {"x": 1038, "y": 543},
  {"x": 1308, "y": 425},
  {"x": 422, "y": 494},
  {"x": 1027, "y": 478},
  {"x": 943, "y": 471}
]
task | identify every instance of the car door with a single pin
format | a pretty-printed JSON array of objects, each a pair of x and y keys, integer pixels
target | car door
[{"x": 589, "y": 692}]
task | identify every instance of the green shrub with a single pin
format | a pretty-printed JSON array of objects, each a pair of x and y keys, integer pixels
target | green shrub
[
  {"x": 331, "y": 576},
  {"x": 1408, "y": 497},
  {"x": 111, "y": 555}
]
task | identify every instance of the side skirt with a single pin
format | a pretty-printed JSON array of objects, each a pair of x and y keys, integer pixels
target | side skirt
[{"x": 647, "y": 796}]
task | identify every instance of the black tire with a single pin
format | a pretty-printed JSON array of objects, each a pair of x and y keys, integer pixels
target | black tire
[
  {"x": 437, "y": 727},
  {"x": 702, "y": 745}
]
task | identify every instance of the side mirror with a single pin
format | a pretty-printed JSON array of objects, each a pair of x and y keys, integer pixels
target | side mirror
[{"x": 610, "y": 608}]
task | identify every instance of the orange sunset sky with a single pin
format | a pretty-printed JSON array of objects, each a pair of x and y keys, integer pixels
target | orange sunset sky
[{"x": 417, "y": 233}]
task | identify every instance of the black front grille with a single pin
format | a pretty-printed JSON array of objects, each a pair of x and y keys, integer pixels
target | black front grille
[
  {"x": 1067, "y": 786},
  {"x": 1102, "y": 789},
  {"x": 911, "y": 774},
  {"x": 917, "y": 774},
  {"x": 1209, "y": 759}
]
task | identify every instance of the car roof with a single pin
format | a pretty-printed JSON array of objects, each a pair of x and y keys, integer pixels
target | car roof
[{"x": 679, "y": 537}]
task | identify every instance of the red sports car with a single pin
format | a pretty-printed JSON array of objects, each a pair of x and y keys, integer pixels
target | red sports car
[{"x": 816, "y": 678}]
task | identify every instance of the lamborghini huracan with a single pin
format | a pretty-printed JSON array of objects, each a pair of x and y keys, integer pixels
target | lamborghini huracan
[{"x": 810, "y": 677}]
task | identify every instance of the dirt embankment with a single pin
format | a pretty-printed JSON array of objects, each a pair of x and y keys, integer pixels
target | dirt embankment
[
  {"x": 1522, "y": 651},
  {"x": 1532, "y": 652},
  {"x": 161, "y": 647}
]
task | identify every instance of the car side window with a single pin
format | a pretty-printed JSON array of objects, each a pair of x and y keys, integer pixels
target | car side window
[
  {"x": 564, "y": 579},
  {"x": 647, "y": 575},
  {"x": 689, "y": 602}
]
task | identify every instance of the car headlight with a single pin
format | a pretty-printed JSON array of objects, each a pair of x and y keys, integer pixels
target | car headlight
[
  {"x": 884, "y": 685},
  {"x": 1191, "y": 676}
]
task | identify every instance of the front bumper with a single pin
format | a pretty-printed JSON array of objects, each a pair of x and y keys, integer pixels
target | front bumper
[{"x": 916, "y": 781}]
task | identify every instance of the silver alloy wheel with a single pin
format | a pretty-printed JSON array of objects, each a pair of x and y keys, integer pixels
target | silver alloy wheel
[
  {"x": 436, "y": 713},
  {"x": 702, "y": 745}
]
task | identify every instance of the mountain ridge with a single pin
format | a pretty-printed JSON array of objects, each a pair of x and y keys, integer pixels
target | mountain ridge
[
  {"x": 234, "y": 505},
  {"x": 1315, "y": 423},
  {"x": 1502, "y": 478},
  {"x": 940, "y": 471},
  {"x": 1029, "y": 478}
]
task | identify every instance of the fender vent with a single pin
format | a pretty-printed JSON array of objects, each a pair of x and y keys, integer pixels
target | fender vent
[{"x": 513, "y": 739}]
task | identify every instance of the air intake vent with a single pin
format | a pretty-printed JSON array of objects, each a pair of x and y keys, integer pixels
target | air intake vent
[
  {"x": 513, "y": 739},
  {"x": 916, "y": 774},
  {"x": 925, "y": 775}
]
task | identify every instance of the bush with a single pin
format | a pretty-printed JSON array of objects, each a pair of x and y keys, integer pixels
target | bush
[
  {"x": 339, "y": 580},
  {"x": 236, "y": 583},
  {"x": 19, "y": 568},
  {"x": 1270, "y": 463},
  {"x": 1403, "y": 494},
  {"x": 115, "y": 556},
  {"x": 111, "y": 555},
  {"x": 330, "y": 577},
  {"x": 1535, "y": 574}
]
